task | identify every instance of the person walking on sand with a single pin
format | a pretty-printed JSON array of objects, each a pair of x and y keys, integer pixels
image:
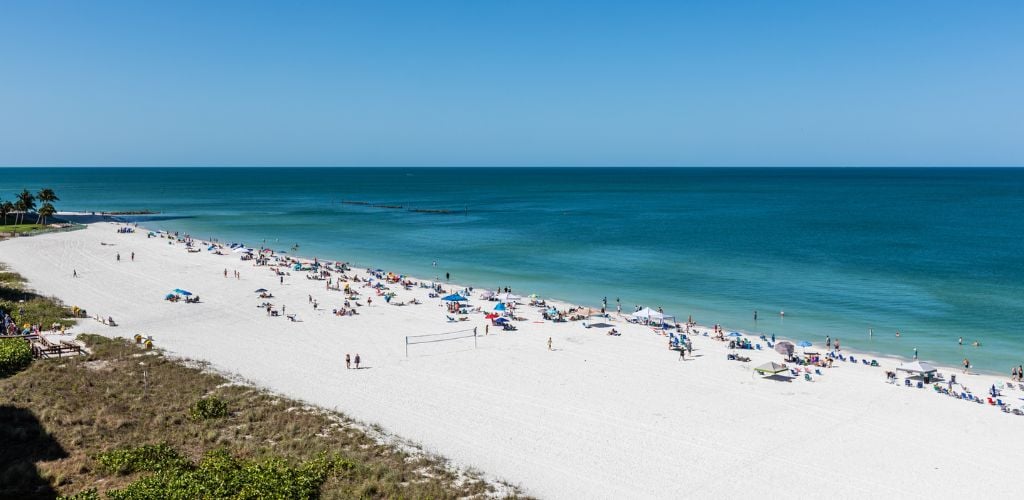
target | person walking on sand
[
  {"x": 357, "y": 361},
  {"x": 549, "y": 343},
  {"x": 348, "y": 362},
  {"x": 133, "y": 256},
  {"x": 682, "y": 353},
  {"x": 119, "y": 256},
  {"x": 74, "y": 273},
  {"x": 225, "y": 272}
]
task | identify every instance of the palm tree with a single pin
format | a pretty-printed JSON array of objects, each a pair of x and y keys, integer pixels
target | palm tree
[
  {"x": 19, "y": 208},
  {"x": 6, "y": 208},
  {"x": 47, "y": 196},
  {"x": 45, "y": 211},
  {"x": 27, "y": 201}
]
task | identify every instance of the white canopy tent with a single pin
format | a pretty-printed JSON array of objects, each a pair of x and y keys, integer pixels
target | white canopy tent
[{"x": 648, "y": 315}]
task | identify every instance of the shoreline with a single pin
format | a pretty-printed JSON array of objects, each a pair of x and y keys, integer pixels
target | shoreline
[
  {"x": 601, "y": 416},
  {"x": 564, "y": 303}
]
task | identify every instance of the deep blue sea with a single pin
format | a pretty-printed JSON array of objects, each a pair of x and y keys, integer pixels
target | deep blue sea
[{"x": 933, "y": 253}]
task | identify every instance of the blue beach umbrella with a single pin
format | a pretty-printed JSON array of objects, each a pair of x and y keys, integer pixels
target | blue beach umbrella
[
  {"x": 182, "y": 292},
  {"x": 734, "y": 334},
  {"x": 804, "y": 343},
  {"x": 454, "y": 298},
  {"x": 501, "y": 321},
  {"x": 499, "y": 307}
]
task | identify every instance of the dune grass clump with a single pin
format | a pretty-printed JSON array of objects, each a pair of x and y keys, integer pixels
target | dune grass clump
[
  {"x": 208, "y": 408},
  {"x": 15, "y": 356},
  {"x": 221, "y": 475}
]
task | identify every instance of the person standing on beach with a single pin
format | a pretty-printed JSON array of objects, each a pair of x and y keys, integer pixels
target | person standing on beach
[
  {"x": 828, "y": 342},
  {"x": 682, "y": 353},
  {"x": 74, "y": 273},
  {"x": 357, "y": 361},
  {"x": 225, "y": 272},
  {"x": 281, "y": 280},
  {"x": 549, "y": 343},
  {"x": 119, "y": 256},
  {"x": 348, "y": 362},
  {"x": 837, "y": 345}
]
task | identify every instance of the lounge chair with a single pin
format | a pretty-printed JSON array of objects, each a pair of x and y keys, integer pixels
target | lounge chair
[
  {"x": 906, "y": 382},
  {"x": 864, "y": 361},
  {"x": 817, "y": 371},
  {"x": 758, "y": 346},
  {"x": 853, "y": 359},
  {"x": 807, "y": 377},
  {"x": 874, "y": 362},
  {"x": 920, "y": 385}
]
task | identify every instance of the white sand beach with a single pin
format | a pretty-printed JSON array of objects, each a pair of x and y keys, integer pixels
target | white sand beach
[{"x": 598, "y": 416}]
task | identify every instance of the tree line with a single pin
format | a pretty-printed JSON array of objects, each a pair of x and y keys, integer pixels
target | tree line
[{"x": 25, "y": 202}]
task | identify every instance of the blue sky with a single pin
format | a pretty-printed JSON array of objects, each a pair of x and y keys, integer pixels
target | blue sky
[{"x": 512, "y": 83}]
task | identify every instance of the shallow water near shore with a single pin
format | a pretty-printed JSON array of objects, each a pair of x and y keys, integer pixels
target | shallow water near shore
[{"x": 933, "y": 253}]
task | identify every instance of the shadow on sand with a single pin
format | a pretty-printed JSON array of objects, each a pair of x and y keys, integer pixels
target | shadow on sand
[{"x": 23, "y": 443}]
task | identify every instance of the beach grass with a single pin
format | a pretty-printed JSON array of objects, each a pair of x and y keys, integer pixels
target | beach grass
[
  {"x": 26, "y": 306},
  {"x": 63, "y": 416},
  {"x": 19, "y": 228}
]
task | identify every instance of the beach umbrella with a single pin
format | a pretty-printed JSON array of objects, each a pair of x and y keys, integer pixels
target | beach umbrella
[
  {"x": 169, "y": 296},
  {"x": 501, "y": 321},
  {"x": 241, "y": 249},
  {"x": 770, "y": 368},
  {"x": 500, "y": 306},
  {"x": 508, "y": 297},
  {"x": 919, "y": 367},
  {"x": 261, "y": 290},
  {"x": 454, "y": 298},
  {"x": 734, "y": 334},
  {"x": 491, "y": 316},
  {"x": 182, "y": 292},
  {"x": 785, "y": 348},
  {"x": 533, "y": 296}
]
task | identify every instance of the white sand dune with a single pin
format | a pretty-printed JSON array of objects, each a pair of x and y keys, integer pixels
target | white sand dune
[{"x": 598, "y": 417}]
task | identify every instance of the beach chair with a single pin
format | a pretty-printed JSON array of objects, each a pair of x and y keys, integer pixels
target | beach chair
[
  {"x": 874, "y": 362},
  {"x": 906, "y": 382},
  {"x": 817, "y": 371},
  {"x": 853, "y": 359},
  {"x": 864, "y": 361},
  {"x": 920, "y": 385},
  {"x": 794, "y": 372},
  {"x": 451, "y": 319},
  {"x": 807, "y": 377},
  {"x": 758, "y": 346}
]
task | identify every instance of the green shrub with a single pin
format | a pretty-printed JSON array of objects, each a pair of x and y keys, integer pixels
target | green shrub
[
  {"x": 89, "y": 494},
  {"x": 207, "y": 408},
  {"x": 15, "y": 356},
  {"x": 148, "y": 458},
  {"x": 220, "y": 475}
]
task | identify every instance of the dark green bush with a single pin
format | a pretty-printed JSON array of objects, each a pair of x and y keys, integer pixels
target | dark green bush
[
  {"x": 148, "y": 458},
  {"x": 220, "y": 475},
  {"x": 15, "y": 356},
  {"x": 207, "y": 408}
]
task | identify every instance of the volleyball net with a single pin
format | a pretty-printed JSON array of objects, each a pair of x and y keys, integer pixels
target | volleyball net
[{"x": 431, "y": 338}]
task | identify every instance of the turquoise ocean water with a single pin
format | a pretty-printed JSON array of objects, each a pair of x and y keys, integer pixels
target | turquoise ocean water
[{"x": 933, "y": 253}]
